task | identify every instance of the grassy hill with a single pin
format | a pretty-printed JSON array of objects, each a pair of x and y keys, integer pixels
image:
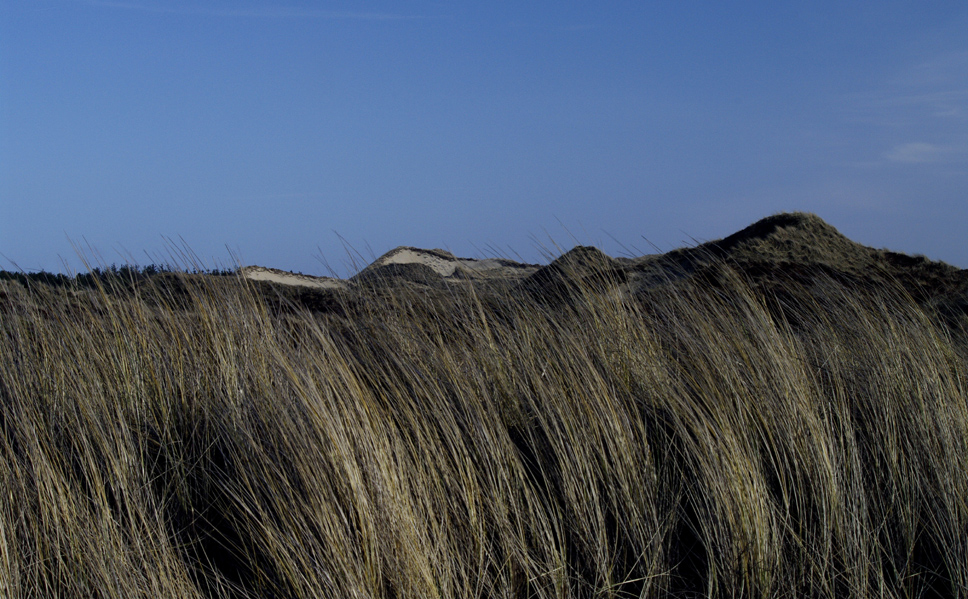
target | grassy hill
[{"x": 778, "y": 413}]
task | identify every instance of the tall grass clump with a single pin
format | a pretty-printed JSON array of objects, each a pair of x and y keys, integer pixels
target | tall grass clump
[{"x": 183, "y": 435}]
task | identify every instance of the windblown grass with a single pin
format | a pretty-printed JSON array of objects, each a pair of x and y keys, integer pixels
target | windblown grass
[{"x": 177, "y": 437}]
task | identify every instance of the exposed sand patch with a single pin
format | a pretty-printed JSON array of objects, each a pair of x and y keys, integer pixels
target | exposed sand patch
[
  {"x": 441, "y": 264},
  {"x": 449, "y": 266},
  {"x": 261, "y": 273}
]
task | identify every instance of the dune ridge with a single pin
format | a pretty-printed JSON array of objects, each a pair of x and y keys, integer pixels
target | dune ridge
[{"x": 779, "y": 245}]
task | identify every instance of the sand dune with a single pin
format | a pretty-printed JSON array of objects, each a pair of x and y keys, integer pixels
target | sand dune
[
  {"x": 272, "y": 275},
  {"x": 447, "y": 265},
  {"x": 774, "y": 246},
  {"x": 441, "y": 263}
]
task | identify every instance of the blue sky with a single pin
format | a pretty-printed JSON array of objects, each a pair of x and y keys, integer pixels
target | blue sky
[{"x": 278, "y": 131}]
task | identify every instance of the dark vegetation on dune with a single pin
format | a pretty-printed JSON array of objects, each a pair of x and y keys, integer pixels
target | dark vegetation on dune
[{"x": 778, "y": 413}]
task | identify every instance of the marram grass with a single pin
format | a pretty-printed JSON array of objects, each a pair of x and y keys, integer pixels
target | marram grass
[{"x": 176, "y": 437}]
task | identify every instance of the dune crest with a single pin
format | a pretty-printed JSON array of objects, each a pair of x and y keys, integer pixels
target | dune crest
[{"x": 775, "y": 245}]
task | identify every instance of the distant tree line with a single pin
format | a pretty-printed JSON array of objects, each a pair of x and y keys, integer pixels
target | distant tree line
[{"x": 114, "y": 273}]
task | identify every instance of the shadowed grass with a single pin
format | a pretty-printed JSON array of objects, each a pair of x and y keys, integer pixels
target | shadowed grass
[{"x": 194, "y": 436}]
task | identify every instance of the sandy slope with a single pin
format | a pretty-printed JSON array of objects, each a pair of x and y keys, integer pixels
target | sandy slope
[
  {"x": 261, "y": 273},
  {"x": 441, "y": 262},
  {"x": 449, "y": 266}
]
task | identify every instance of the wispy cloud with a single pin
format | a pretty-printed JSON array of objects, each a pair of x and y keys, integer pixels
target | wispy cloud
[
  {"x": 920, "y": 114},
  {"x": 270, "y": 12},
  {"x": 929, "y": 92},
  {"x": 578, "y": 27},
  {"x": 939, "y": 70},
  {"x": 937, "y": 87},
  {"x": 916, "y": 153}
]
